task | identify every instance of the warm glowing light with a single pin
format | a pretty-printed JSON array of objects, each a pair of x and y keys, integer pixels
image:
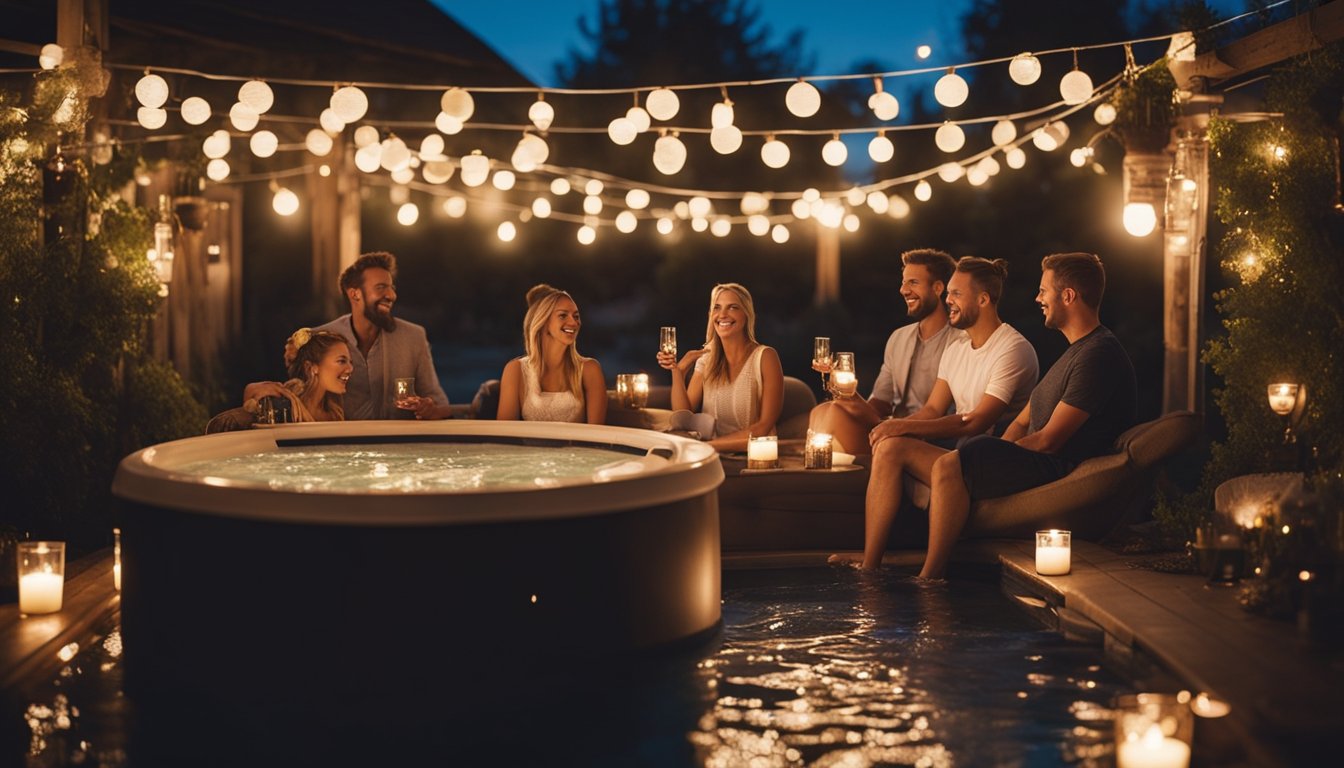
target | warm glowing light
[
  {"x": 1003, "y": 133},
  {"x": 51, "y": 56},
  {"x": 1080, "y": 156},
  {"x": 779, "y": 233},
  {"x": 285, "y": 202},
  {"x": 884, "y": 105},
  {"x": 1075, "y": 87},
  {"x": 541, "y": 208},
  {"x": 639, "y": 117},
  {"x": 506, "y": 231},
  {"x": 349, "y": 104},
  {"x": 455, "y": 206},
  {"x": 152, "y": 91},
  {"x": 774, "y": 153},
  {"x": 897, "y": 207},
  {"x": 834, "y": 152},
  {"x": 257, "y": 95},
  {"x": 1015, "y": 157},
  {"x": 951, "y": 90},
  {"x": 263, "y": 143},
  {"x": 243, "y": 117},
  {"x": 1140, "y": 219},
  {"x": 626, "y": 222},
  {"x": 664, "y": 225},
  {"x": 699, "y": 223},
  {"x": 721, "y": 115},
  {"x": 324, "y": 170},
  {"x": 541, "y": 114},
  {"x": 1024, "y": 69},
  {"x": 878, "y": 202},
  {"x": 951, "y": 171},
  {"x": 586, "y": 235},
  {"x": 408, "y": 214},
  {"x": 637, "y": 199},
  {"x": 431, "y": 147},
  {"x": 592, "y": 205},
  {"x": 803, "y": 99},
  {"x": 621, "y": 131},
  {"x": 801, "y": 209},
  {"x": 329, "y": 121},
  {"x": 365, "y": 135},
  {"x": 216, "y": 145},
  {"x": 1104, "y": 114},
  {"x": 754, "y": 202},
  {"x": 457, "y": 103},
  {"x": 669, "y": 154},
  {"x": 720, "y": 227},
  {"x": 475, "y": 169},
  {"x": 395, "y": 154},
  {"x": 923, "y": 191},
  {"x": 950, "y": 137},
  {"x": 880, "y": 149},
  {"x": 661, "y": 104},
  {"x": 217, "y": 170},
  {"x": 758, "y": 225},
  {"x": 152, "y": 118},
  {"x": 504, "y": 180},
  {"x": 195, "y": 110},
  {"x": 923, "y": 52},
  {"x": 369, "y": 158},
  {"x": 726, "y": 140},
  {"x": 559, "y": 186},
  {"x": 448, "y": 124}
]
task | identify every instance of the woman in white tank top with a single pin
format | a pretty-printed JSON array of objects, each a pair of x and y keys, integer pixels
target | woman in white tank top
[
  {"x": 552, "y": 382},
  {"x": 736, "y": 379}
]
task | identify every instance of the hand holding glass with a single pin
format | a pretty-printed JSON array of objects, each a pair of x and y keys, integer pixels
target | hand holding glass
[
  {"x": 667, "y": 340},
  {"x": 405, "y": 394}
]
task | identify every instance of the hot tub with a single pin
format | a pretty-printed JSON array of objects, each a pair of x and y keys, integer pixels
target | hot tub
[{"x": 271, "y": 587}]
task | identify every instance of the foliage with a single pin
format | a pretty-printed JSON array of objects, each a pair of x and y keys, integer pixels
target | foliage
[
  {"x": 1278, "y": 197},
  {"x": 77, "y": 294},
  {"x": 1145, "y": 109}
]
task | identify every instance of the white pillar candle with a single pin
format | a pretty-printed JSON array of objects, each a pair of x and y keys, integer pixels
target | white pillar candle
[
  {"x": 1153, "y": 750},
  {"x": 1052, "y": 552},
  {"x": 762, "y": 452},
  {"x": 40, "y": 592}
]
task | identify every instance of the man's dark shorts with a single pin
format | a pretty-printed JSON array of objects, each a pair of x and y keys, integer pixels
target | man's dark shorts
[{"x": 993, "y": 467}]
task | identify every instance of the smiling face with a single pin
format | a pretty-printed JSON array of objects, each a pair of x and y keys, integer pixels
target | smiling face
[
  {"x": 728, "y": 314},
  {"x": 332, "y": 372},
  {"x": 963, "y": 301},
  {"x": 376, "y": 297},
  {"x": 919, "y": 290},
  {"x": 564, "y": 323},
  {"x": 1051, "y": 301}
]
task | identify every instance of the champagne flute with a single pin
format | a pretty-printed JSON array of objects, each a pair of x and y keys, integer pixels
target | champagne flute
[
  {"x": 667, "y": 340},
  {"x": 821, "y": 356}
]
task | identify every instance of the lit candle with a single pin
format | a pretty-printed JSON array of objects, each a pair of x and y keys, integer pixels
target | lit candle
[
  {"x": 1052, "y": 552},
  {"x": 762, "y": 452},
  {"x": 41, "y": 576},
  {"x": 817, "y": 454},
  {"x": 116, "y": 558},
  {"x": 640, "y": 392},
  {"x": 1153, "y": 750},
  {"x": 844, "y": 382}
]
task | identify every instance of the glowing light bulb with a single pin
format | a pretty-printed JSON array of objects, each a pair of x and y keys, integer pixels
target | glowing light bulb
[
  {"x": 264, "y": 143},
  {"x": 1140, "y": 219},
  {"x": 1003, "y": 133},
  {"x": 330, "y": 122},
  {"x": 152, "y": 91},
  {"x": 851, "y": 222},
  {"x": 216, "y": 145},
  {"x": 531, "y": 152},
  {"x": 475, "y": 169},
  {"x": 950, "y": 172},
  {"x": 877, "y": 202},
  {"x": 455, "y": 206},
  {"x": 1104, "y": 114},
  {"x": 257, "y": 95},
  {"x": 665, "y": 225},
  {"x": 626, "y": 222},
  {"x": 884, "y": 105},
  {"x": 621, "y": 131},
  {"x": 637, "y": 199},
  {"x": 504, "y": 180},
  {"x": 803, "y": 99},
  {"x": 1079, "y": 156},
  {"x": 700, "y": 207},
  {"x": 779, "y": 233},
  {"x": 217, "y": 170},
  {"x": 51, "y": 56},
  {"x": 897, "y": 207},
  {"x": 669, "y": 154},
  {"x": 662, "y": 104},
  {"x": 541, "y": 208},
  {"x": 880, "y": 149},
  {"x": 855, "y": 196},
  {"x": 349, "y": 104},
  {"x": 726, "y": 140},
  {"x": 285, "y": 202},
  {"x": 152, "y": 118},
  {"x": 431, "y": 147},
  {"x": 458, "y": 104},
  {"x": 1015, "y": 157},
  {"x": 1075, "y": 87},
  {"x": 243, "y": 117},
  {"x": 592, "y": 205},
  {"x": 976, "y": 176},
  {"x": 369, "y": 158},
  {"x": 721, "y": 115},
  {"x": 559, "y": 186},
  {"x": 395, "y": 155},
  {"x": 923, "y": 191},
  {"x": 195, "y": 110},
  {"x": 365, "y": 135},
  {"x": 923, "y": 52},
  {"x": 639, "y": 117},
  {"x": 834, "y": 152},
  {"x": 801, "y": 209},
  {"x": 754, "y": 202},
  {"x": 1024, "y": 69},
  {"x": 586, "y": 235},
  {"x": 720, "y": 227},
  {"x": 951, "y": 90},
  {"x": 758, "y": 225},
  {"x": 541, "y": 114},
  {"x": 699, "y": 224},
  {"x": 950, "y": 137},
  {"x": 437, "y": 171},
  {"x": 408, "y": 214},
  {"x": 775, "y": 153},
  {"x": 593, "y": 187},
  {"x": 447, "y": 124},
  {"x": 506, "y": 231}
]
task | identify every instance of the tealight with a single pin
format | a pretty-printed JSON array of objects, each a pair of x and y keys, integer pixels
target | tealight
[
  {"x": 763, "y": 452},
  {"x": 41, "y": 576},
  {"x": 817, "y": 453},
  {"x": 1152, "y": 730},
  {"x": 1052, "y": 552}
]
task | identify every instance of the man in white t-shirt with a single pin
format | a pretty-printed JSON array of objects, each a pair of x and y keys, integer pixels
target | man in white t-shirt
[
  {"x": 988, "y": 372},
  {"x": 910, "y": 362}
]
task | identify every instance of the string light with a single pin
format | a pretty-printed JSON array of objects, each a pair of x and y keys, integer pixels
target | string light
[
  {"x": 349, "y": 104},
  {"x": 664, "y": 225},
  {"x": 437, "y": 171},
  {"x": 395, "y": 154},
  {"x": 726, "y": 139},
  {"x": 951, "y": 172},
  {"x": 897, "y": 207},
  {"x": 152, "y": 118},
  {"x": 1076, "y": 86},
  {"x": 834, "y": 153},
  {"x": 883, "y": 104},
  {"x": 51, "y": 56},
  {"x": 217, "y": 170},
  {"x": 329, "y": 121},
  {"x": 503, "y": 180},
  {"x": 408, "y": 214},
  {"x": 593, "y": 187},
  {"x": 559, "y": 186},
  {"x": 506, "y": 231},
  {"x": 257, "y": 95},
  {"x": 923, "y": 191},
  {"x": 950, "y": 137},
  {"x": 586, "y": 235},
  {"x": 285, "y": 202},
  {"x": 195, "y": 110},
  {"x": 541, "y": 113},
  {"x": 803, "y": 99},
  {"x": 1015, "y": 157},
  {"x": 448, "y": 124},
  {"x": 639, "y": 117},
  {"x": 243, "y": 117},
  {"x": 1024, "y": 69},
  {"x": 626, "y": 222},
  {"x": 758, "y": 225},
  {"x": 457, "y": 103},
  {"x": 264, "y": 143},
  {"x": 880, "y": 149},
  {"x": 637, "y": 199},
  {"x": 669, "y": 154},
  {"x": 779, "y": 233},
  {"x": 1003, "y": 133},
  {"x": 541, "y": 208},
  {"x": 662, "y": 104},
  {"x": 151, "y": 91},
  {"x": 1104, "y": 114},
  {"x": 951, "y": 90},
  {"x": 622, "y": 131},
  {"x": 475, "y": 169},
  {"x": 216, "y": 145},
  {"x": 455, "y": 206},
  {"x": 365, "y": 135},
  {"x": 774, "y": 153}
]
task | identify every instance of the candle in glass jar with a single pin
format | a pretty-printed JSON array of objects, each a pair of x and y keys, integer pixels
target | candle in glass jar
[
  {"x": 639, "y": 394},
  {"x": 844, "y": 382},
  {"x": 762, "y": 452},
  {"x": 1152, "y": 750},
  {"x": 817, "y": 453},
  {"x": 41, "y": 576},
  {"x": 1052, "y": 552}
]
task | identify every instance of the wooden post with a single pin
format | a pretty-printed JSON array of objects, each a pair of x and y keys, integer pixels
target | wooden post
[
  {"x": 324, "y": 192},
  {"x": 347, "y": 186},
  {"x": 828, "y": 266}
]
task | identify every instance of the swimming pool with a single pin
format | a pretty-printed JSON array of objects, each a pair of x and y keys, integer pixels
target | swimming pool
[{"x": 814, "y": 666}]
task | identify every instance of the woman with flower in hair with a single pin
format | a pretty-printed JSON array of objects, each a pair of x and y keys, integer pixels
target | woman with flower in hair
[
  {"x": 318, "y": 365},
  {"x": 552, "y": 381},
  {"x": 736, "y": 379}
]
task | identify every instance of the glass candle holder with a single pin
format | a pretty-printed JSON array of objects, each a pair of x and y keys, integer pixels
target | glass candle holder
[
  {"x": 1153, "y": 730},
  {"x": 639, "y": 392},
  {"x": 1053, "y": 550},
  {"x": 667, "y": 339},
  {"x": 41, "y": 576},
  {"x": 404, "y": 393},
  {"x": 844, "y": 377},
  {"x": 762, "y": 452},
  {"x": 625, "y": 386},
  {"x": 817, "y": 452},
  {"x": 116, "y": 558}
]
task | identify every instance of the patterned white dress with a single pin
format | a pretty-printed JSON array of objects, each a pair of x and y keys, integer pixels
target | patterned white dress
[
  {"x": 548, "y": 406},
  {"x": 735, "y": 404}
]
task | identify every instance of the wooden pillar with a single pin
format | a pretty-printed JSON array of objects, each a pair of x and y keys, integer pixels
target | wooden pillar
[
  {"x": 325, "y": 208},
  {"x": 828, "y": 266}
]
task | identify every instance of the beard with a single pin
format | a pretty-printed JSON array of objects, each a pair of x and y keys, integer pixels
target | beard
[
  {"x": 923, "y": 309},
  {"x": 383, "y": 320},
  {"x": 966, "y": 317}
]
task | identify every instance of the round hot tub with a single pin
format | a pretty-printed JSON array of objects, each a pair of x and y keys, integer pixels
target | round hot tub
[{"x": 344, "y": 564}]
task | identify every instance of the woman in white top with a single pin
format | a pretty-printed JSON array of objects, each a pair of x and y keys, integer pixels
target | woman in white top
[
  {"x": 737, "y": 380},
  {"x": 552, "y": 382}
]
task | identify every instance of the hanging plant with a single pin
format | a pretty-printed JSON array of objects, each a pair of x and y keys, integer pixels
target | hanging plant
[{"x": 1145, "y": 109}]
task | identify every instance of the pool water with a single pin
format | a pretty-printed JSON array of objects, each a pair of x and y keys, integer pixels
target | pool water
[
  {"x": 818, "y": 667},
  {"x": 418, "y": 467}
]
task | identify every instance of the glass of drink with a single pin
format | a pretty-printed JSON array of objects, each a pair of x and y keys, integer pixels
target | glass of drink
[
  {"x": 821, "y": 356},
  {"x": 667, "y": 340},
  {"x": 844, "y": 377},
  {"x": 404, "y": 394}
]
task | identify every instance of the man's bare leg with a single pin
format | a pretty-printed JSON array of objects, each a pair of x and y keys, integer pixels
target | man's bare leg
[
  {"x": 893, "y": 460},
  {"x": 949, "y": 508}
]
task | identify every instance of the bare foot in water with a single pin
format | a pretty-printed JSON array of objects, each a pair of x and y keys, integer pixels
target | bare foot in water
[{"x": 846, "y": 560}]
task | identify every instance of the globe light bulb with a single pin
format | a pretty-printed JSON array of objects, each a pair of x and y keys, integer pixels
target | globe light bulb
[
  {"x": 408, "y": 214},
  {"x": 1015, "y": 157},
  {"x": 951, "y": 90},
  {"x": 639, "y": 117},
  {"x": 950, "y": 172},
  {"x": 855, "y": 196},
  {"x": 1140, "y": 219},
  {"x": 541, "y": 114},
  {"x": 395, "y": 155},
  {"x": 779, "y": 233},
  {"x": 592, "y": 205},
  {"x": 775, "y": 153},
  {"x": 1079, "y": 156},
  {"x": 989, "y": 165},
  {"x": 682, "y": 209},
  {"x": 923, "y": 191},
  {"x": 560, "y": 186},
  {"x": 878, "y": 202},
  {"x": 541, "y": 208},
  {"x": 662, "y": 104},
  {"x": 448, "y": 124},
  {"x": 721, "y": 115},
  {"x": 51, "y": 56},
  {"x": 216, "y": 145},
  {"x": 726, "y": 140},
  {"x": 803, "y": 99},
  {"x": 897, "y": 207},
  {"x": 758, "y": 225},
  {"x": 1104, "y": 114},
  {"x": 399, "y": 194},
  {"x": 834, "y": 152},
  {"x": 475, "y": 169},
  {"x": 285, "y": 202},
  {"x": 152, "y": 91},
  {"x": 457, "y": 103},
  {"x": 257, "y": 95},
  {"x": 455, "y": 206},
  {"x": 950, "y": 137},
  {"x": 880, "y": 149},
  {"x": 700, "y": 207},
  {"x": 586, "y": 235},
  {"x": 664, "y": 225},
  {"x": 669, "y": 154},
  {"x": 1003, "y": 133},
  {"x": 431, "y": 147},
  {"x": 437, "y": 171},
  {"x": 720, "y": 227},
  {"x": 1024, "y": 69},
  {"x": 850, "y": 222},
  {"x": 506, "y": 231},
  {"x": 801, "y": 209},
  {"x": 593, "y": 187},
  {"x": 1075, "y": 87},
  {"x": 923, "y": 52},
  {"x": 243, "y": 117},
  {"x": 811, "y": 194},
  {"x": 195, "y": 110},
  {"x": 152, "y": 118},
  {"x": 884, "y": 105},
  {"x": 263, "y": 143},
  {"x": 626, "y": 222},
  {"x": 349, "y": 104},
  {"x": 369, "y": 158},
  {"x": 621, "y": 131},
  {"x": 330, "y": 122},
  {"x": 217, "y": 170},
  {"x": 504, "y": 180},
  {"x": 699, "y": 224},
  {"x": 637, "y": 199},
  {"x": 365, "y": 135},
  {"x": 754, "y": 202}
]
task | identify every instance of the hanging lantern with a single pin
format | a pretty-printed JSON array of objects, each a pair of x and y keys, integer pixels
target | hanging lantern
[
  {"x": 349, "y": 104},
  {"x": 395, "y": 155},
  {"x": 662, "y": 104},
  {"x": 195, "y": 110},
  {"x": 458, "y": 104},
  {"x": 1075, "y": 87},
  {"x": 880, "y": 149},
  {"x": 774, "y": 153},
  {"x": 475, "y": 169},
  {"x": 669, "y": 154},
  {"x": 264, "y": 143},
  {"x": 951, "y": 90},
  {"x": 257, "y": 95},
  {"x": 586, "y": 235},
  {"x": 621, "y": 131},
  {"x": 1104, "y": 114},
  {"x": 1003, "y": 133},
  {"x": 637, "y": 199},
  {"x": 540, "y": 113},
  {"x": 152, "y": 91},
  {"x": 834, "y": 152},
  {"x": 803, "y": 99},
  {"x": 1024, "y": 69}
]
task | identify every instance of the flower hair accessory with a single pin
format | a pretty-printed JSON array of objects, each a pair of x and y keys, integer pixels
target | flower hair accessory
[{"x": 300, "y": 337}]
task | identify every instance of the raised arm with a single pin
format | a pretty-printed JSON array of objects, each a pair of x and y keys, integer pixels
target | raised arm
[
  {"x": 684, "y": 398},
  {"x": 511, "y": 392},
  {"x": 594, "y": 392}
]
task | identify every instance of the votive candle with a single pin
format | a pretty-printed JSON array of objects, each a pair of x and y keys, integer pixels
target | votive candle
[
  {"x": 817, "y": 452},
  {"x": 1052, "y": 552},
  {"x": 762, "y": 452},
  {"x": 1153, "y": 730},
  {"x": 41, "y": 576}
]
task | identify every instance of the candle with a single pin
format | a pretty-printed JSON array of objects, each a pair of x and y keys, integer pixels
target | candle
[
  {"x": 624, "y": 389},
  {"x": 41, "y": 576},
  {"x": 762, "y": 452},
  {"x": 116, "y": 558},
  {"x": 116, "y": 576},
  {"x": 1052, "y": 552},
  {"x": 1153, "y": 750},
  {"x": 845, "y": 382},
  {"x": 817, "y": 453},
  {"x": 639, "y": 396}
]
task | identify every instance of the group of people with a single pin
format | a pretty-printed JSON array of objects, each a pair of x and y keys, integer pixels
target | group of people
[{"x": 949, "y": 380}]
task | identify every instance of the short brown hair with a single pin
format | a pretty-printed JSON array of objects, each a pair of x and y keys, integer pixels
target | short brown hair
[
  {"x": 987, "y": 275},
  {"x": 1083, "y": 272},
  {"x": 353, "y": 276},
  {"x": 940, "y": 264}
]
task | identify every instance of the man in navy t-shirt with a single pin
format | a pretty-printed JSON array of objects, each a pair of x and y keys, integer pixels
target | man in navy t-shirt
[{"x": 1079, "y": 408}]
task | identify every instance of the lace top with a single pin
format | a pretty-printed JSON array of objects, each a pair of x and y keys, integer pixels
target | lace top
[
  {"x": 733, "y": 404},
  {"x": 548, "y": 406}
]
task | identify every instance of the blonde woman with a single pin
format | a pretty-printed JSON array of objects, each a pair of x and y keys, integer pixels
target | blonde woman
[
  {"x": 736, "y": 379},
  {"x": 318, "y": 365},
  {"x": 552, "y": 381}
]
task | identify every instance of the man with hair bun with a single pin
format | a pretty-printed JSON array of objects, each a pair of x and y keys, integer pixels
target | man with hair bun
[
  {"x": 1086, "y": 399},
  {"x": 986, "y": 372}
]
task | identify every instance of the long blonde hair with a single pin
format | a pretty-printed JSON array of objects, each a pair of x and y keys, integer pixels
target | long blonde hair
[
  {"x": 717, "y": 367},
  {"x": 541, "y": 301}
]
